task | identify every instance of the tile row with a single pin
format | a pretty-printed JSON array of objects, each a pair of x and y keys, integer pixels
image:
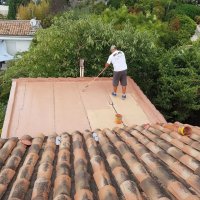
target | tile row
[
  {"x": 132, "y": 163},
  {"x": 164, "y": 174}
]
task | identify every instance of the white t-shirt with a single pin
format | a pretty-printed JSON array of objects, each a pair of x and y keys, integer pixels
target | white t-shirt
[{"x": 117, "y": 58}]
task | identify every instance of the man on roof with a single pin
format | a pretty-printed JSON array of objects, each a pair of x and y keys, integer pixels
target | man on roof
[{"x": 118, "y": 60}]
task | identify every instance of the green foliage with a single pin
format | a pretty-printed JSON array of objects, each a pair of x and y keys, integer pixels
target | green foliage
[
  {"x": 47, "y": 21},
  {"x": 2, "y": 114},
  {"x": 197, "y": 19},
  {"x": 188, "y": 9},
  {"x": 98, "y": 8},
  {"x": 114, "y": 3},
  {"x": 13, "y": 5},
  {"x": 159, "y": 11},
  {"x": 12, "y": 9},
  {"x": 179, "y": 83},
  {"x": 2, "y": 16},
  {"x": 183, "y": 27},
  {"x": 119, "y": 18}
]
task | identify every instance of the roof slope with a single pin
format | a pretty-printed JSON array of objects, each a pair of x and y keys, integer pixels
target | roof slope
[
  {"x": 59, "y": 104},
  {"x": 17, "y": 28},
  {"x": 133, "y": 163}
]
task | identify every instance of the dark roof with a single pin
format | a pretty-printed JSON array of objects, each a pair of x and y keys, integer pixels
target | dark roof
[
  {"x": 17, "y": 28},
  {"x": 139, "y": 162}
]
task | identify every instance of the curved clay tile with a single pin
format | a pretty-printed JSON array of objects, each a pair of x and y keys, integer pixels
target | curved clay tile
[
  {"x": 26, "y": 140},
  {"x": 114, "y": 161},
  {"x": 102, "y": 178},
  {"x": 6, "y": 150},
  {"x": 83, "y": 194},
  {"x": 62, "y": 185},
  {"x": 41, "y": 189},
  {"x": 62, "y": 197},
  {"x": 108, "y": 192},
  {"x": 97, "y": 163},
  {"x": 130, "y": 190},
  {"x": 19, "y": 189}
]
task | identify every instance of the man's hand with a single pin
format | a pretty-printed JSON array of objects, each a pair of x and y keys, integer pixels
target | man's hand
[{"x": 107, "y": 65}]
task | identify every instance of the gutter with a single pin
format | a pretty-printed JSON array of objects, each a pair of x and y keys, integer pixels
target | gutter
[{"x": 28, "y": 38}]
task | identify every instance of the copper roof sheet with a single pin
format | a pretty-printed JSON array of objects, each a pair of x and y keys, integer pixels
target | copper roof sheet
[
  {"x": 131, "y": 163},
  {"x": 47, "y": 105},
  {"x": 17, "y": 28}
]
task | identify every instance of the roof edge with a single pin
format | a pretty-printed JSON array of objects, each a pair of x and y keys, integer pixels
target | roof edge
[{"x": 9, "y": 110}]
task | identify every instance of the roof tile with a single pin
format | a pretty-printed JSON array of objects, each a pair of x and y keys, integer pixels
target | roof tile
[
  {"x": 83, "y": 194},
  {"x": 102, "y": 178},
  {"x": 108, "y": 192},
  {"x": 19, "y": 189},
  {"x": 17, "y": 27},
  {"x": 62, "y": 185},
  {"x": 130, "y": 163},
  {"x": 130, "y": 191},
  {"x": 41, "y": 189}
]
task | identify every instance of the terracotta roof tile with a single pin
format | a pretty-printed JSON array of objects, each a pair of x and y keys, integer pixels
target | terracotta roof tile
[
  {"x": 17, "y": 28},
  {"x": 19, "y": 189},
  {"x": 108, "y": 192},
  {"x": 130, "y": 163}
]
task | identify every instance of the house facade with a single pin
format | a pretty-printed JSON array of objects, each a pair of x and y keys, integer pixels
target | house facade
[
  {"x": 16, "y": 36},
  {"x": 4, "y": 10}
]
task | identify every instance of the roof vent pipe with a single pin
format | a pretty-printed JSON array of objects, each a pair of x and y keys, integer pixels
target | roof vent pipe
[{"x": 81, "y": 67}]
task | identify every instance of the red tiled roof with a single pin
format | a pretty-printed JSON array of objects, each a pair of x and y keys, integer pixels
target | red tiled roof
[
  {"x": 131, "y": 163},
  {"x": 17, "y": 28}
]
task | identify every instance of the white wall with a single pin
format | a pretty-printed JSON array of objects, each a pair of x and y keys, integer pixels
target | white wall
[
  {"x": 4, "y": 10},
  {"x": 196, "y": 36},
  {"x": 14, "y": 46}
]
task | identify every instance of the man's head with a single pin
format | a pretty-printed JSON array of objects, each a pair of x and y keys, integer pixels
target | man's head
[{"x": 113, "y": 48}]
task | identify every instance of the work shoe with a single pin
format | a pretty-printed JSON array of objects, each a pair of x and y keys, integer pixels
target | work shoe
[
  {"x": 123, "y": 96},
  {"x": 114, "y": 94}
]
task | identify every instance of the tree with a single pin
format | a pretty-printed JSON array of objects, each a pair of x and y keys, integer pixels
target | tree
[
  {"x": 179, "y": 83},
  {"x": 114, "y": 3},
  {"x": 89, "y": 37},
  {"x": 187, "y": 9},
  {"x": 59, "y": 5},
  {"x": 31, "y": 10},
  {"x": 12, "y": 9},
  {"x": 13, "y": 5},
  {"x": 178, "y": 32}
]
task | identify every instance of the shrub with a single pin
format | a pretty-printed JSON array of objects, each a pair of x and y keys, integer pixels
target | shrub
[
  {"x": 40, "y": 11},
  {"x": 98, "y": 8},
  {"x": 183, "y": 27},
  {"x": 197, "y": 19},
  {"x": 159, "y": 11},
  {"x": 2, "y": 114},
  {"x": 188, "y": 9},
  {"x": 179, "y": 83}
]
